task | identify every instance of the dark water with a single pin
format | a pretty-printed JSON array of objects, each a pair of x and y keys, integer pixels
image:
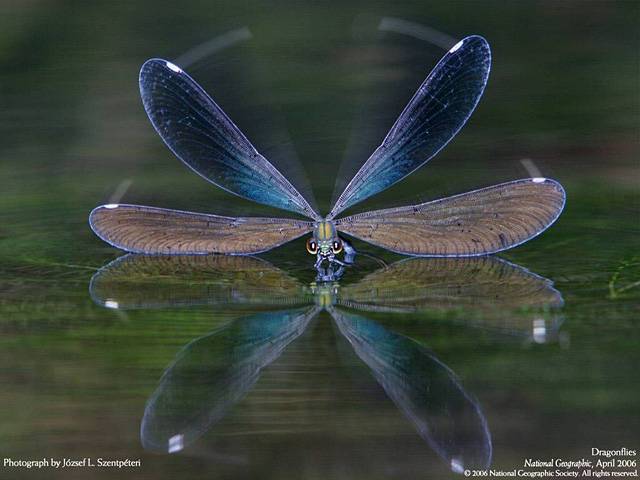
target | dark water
[{"x": 244, "y": 367}]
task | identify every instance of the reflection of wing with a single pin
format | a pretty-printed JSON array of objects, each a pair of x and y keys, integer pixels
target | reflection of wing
[
  {"x": 196, "y": 129},
  {"x": 480, "y": 222},
  {"x": 153, "y": 230},
  {"x": 437, "y": 111},
  {"x": 450, "y": 283},
  {"x": 424, "y": 389},
  {"x": 140, "y": 281},
  {"x": 211, "y": 374}
]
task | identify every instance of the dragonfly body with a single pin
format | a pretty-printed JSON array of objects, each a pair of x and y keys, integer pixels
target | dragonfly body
[
  {"x": 326, "y": 244},
  {"x": 199, "y": 133}
]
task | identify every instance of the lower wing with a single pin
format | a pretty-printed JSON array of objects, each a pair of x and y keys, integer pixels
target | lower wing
[
  {"x": 425, "y": 390},
  {"x": 481, "y": 283},
  {"x": 480, "y": 222},
  {"x": 152, "y": 230},
  {"x": 167, "y": 281},
  {"x": 213, "y": 373}
]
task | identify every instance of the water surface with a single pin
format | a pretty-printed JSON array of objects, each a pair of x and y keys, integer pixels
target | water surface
[{"x": 245, "y": 368}]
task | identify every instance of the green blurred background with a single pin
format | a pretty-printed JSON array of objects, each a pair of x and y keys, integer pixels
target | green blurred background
[{"x": 315, "y": 84}]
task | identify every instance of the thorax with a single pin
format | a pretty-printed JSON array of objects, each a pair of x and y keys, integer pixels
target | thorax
[{"x": 324, "y": 231}]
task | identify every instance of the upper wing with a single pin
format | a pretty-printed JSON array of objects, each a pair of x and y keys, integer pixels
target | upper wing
[
  {"x": 437, "y": 111},
  {"x": 479, "y": 222},
  {"x": 200, "y": 134},
  {"x": 152, "y": 230}
]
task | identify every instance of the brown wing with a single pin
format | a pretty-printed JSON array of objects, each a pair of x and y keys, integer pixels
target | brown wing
[
  {"x": 450, "y": 283},
  {"x": 474, "y": 223},
  {"x": 165, "y": 281},
  {"x": 152, "y": 230}
]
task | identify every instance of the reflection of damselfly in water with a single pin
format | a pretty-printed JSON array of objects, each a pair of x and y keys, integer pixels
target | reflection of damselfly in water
[
  {"x": 196, "y": 129},
  {"x": 212, "y": 373}
]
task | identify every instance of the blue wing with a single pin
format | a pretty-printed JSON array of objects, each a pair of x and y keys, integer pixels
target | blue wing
[
  {"x": 200, "y": 134},
  {"x": 424, "y": 389},
  {"x": 435, "y": 114},
  {"x": 213, "y": 373}
]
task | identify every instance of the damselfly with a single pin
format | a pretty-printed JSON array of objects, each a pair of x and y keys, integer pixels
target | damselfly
[{"x": 200, "y": 134}]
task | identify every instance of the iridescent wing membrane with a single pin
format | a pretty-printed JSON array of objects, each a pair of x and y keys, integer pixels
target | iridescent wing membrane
[
  {"x": 480, "y": 222},
  {"x": 200, "y": 134},
  {"x": 212, "y": 373},
  {"x": 425, "y": 390},
  {"x": 435, "y": 114}
]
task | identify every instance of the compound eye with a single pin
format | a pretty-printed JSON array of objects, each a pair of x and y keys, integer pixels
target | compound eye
[
  {"x": 312, "y": 246},
  {"x": 336, "y": 246}
]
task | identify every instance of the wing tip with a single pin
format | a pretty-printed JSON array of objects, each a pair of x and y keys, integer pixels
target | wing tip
[
  {"x": 475, "y": 37},
  {"x": 101, "y": 233},
  {"x": 150, "y": 68},
  {"x": 92, "y": 219},
  {"x": 563, "y": 196},
  {"x": 479, "y": 40},
  {"x": 558, "y": 187},
  {"x": 156, "y": 62}
]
